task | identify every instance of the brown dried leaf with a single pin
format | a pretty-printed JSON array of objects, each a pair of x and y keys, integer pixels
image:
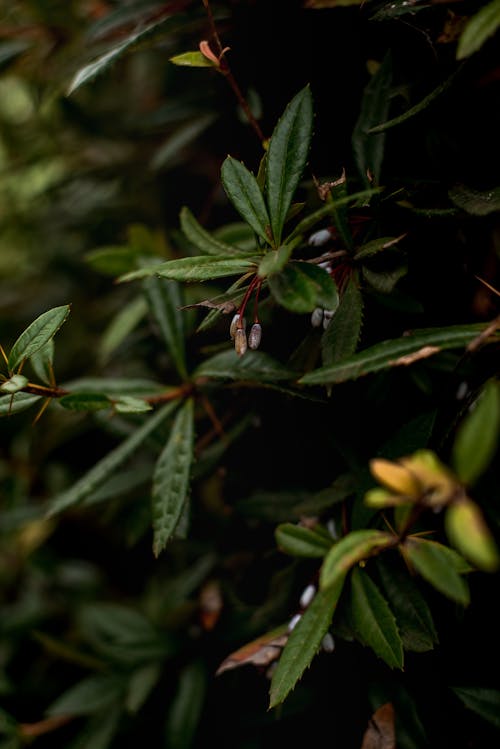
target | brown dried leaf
[
  {"x": 422, "y": 353},
  {"x": 260, "y": 652},
  {"x": 381, "y": 732}
]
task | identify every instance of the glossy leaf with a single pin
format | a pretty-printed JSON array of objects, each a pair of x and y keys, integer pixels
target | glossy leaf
[
  {"x": 286, "y": 158},
  {"x": 88, "y": 696},
  {"x": 467, "y": 530},
  {"x": 300, "y": 287},
  {"x": 244, "y": 192},
  {"x": 37, "y": 335},
  {"x": 85, "y": 401},
  {"x": 479, "y": 28},
  {"x": 394, "y": 353},
  {"x": 373, "y": 621},
  {"x": 202, "y": 239},
  {"x": 304, "y": 642},
  {"x": 431, "y": 560},
  {"x": 164, "y": 301},
  {"x": 186, "y": 707},
  {"x": 368, "y": 148},
  {"x": 340, "y": 339},
  {"x": 482, "y": 701},
  {"x": 413, "y": 615},
  {"x": 300, "y": 541},
  {"x": 255, "y": 366},
  {"x": 105, "y": 467},
  {"x": 199, "y": 268},
  {"x": 476, "y": 441},
  {"x": 192, "y": 59},
  {"x": 171, "y": 477},
  {"x": 350, "y": 550}
]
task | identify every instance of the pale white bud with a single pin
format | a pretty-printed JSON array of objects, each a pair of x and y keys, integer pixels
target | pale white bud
[
  {"x": 319, "y": 237},
  {"x": 255, "y": 336},
  {"x": 307, "y": 596},
  {"x": 327, "y": 316},
  {"x": 294, "y": 621},
  {"x": 328, "y": 643},
  {"x": 240, "y": 341},
  {"x": 317, "y": 317},
  {"x": 234, "y": 325}
]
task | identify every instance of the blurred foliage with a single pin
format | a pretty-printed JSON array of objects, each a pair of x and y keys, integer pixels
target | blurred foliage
[{"x": 185, "y": 531}]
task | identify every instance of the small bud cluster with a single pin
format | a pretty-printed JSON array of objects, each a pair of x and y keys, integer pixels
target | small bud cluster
[
  {"x": 237, "y": 329},
  {"x": 321, "y": 317}
]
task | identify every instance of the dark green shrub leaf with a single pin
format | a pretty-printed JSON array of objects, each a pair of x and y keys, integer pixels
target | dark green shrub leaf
[
  {"x": 477, "y": 438},
  {"x": 244, "y": 192},
  {"x": 300, "y": 287},
  {"x": 254, "y": 366},
  {"x": 140, "y": 685},
  {"x": 113, "y": 261},
  {"x": 275, "y": 260},
  {"x": 304, "y": 641},
  {"x": 384, "y": 281},
  {"x": 104, "y": 468},
  {"x": 480, "y": 27},
  {"x": 340, "y": 339},
  {"x": 432, "y": 561},
  {"x": 350, "y": 550},
  {"x": 124, "y": 322},
  {"x": 89, "y": 696},
  {"x": 37, "y": 335},
  {"x": 203, "y": 240},
  {"x": 299, "y": 541},
  {"x": 396, "y": 352},
  {"x": 42, "y": 361},
  {"x": 186, "y": 708},
  {"x": 287, "y": 157},
  {"x": 100, "y": 730},
  {"x": 85, "y": 401},
  {"x": 484, "y": 702},
  {"x": 475, "y": 202},
  {"x": 199, "y": 268},
  {"x": 373, "y": 621},
  {"x": 164, "y": 301},
  {"x": 171, "y": 477},
  {"x": 375, "y": 246},
  {"x": 127, "y": 404},
  {"x": 468, "y": 532},
  {"x": 13, "y": 404}
]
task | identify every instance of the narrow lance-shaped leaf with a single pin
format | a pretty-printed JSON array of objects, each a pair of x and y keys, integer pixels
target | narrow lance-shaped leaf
[
  {"x": 164, "y": 301},
  {"x": 105, "y": 467},
  {"x": 12, "y": 404},
  {"x": 299, "y": 541},
  {"x": 185, "y": 709},
  {"x": 304, "y": 642},
  {"x": 287, "y": 157},
  {"x": 480, "y": 27},
  {"x": 340, "y": 339},
  {"x": 171, "y": 477},
  {"x": 37, "y": 335},
  {"x": 373, "y": 621},
  {"x": 484, "y": 702},
  {"x": 432, "y": 561},
  {"x": 199, "y": 268},
  {"x": 350, "y": 550},
  {"x": 477, "y": 438},
  {"x": 201, "y": 238},
  {"x": 122, "y": 324},
  {"x": 255, "y": 366},
  {"x": 42, "y": 362},
  {"x": 396, "y": 352},
  {"x": 244, "y": 192},
  {"x": 467, "y": 530}
]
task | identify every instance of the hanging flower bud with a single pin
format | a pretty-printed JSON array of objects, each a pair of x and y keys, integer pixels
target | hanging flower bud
[
  {"x": 234, "y": 325},
  {"x": 255, "y": 336},
  {"x": 317, "y": 317},
  {"x": 307, "y": 596},
  {"x": 328, "y": 643},
  {"x": 240, "y": 341},
  {"x": 327, "y": 316}
]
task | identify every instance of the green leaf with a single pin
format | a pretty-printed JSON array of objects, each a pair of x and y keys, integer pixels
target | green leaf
[
  {"x": 244, "y": 192},
  {"x": 193, "y": 59},
  {"x": 127, "y": 404},
  {"x": 475, "y": 202},
  {"x": 394, "y": 353},
  {"x": 140, "y": 685},
  {"x": 476, "y": 441},
  {"x": 375, "y": 246},
  {"x": 37, "y": 335},
  {"x": 484, "y": 702},
  {"x": 275, "y": 260},
  {"x": 479, "y": 28},
  {"x": 238, "y": 236},
  {"x": 170, "y": 150},
  {"x": 102, "y": 63},
  {"x": 286, "y": 158},
  {"x": 340, "y": 339},
  {"x": 301, "y": 286},
  {"x": 468, "y": 532},
  {"x": 431, "y": 560},
  {"x": 171, "y": 477},
  {"x": 88, "y": 696},
  {"x": 124, "y": 322},
  {"x": 254, "y": 366},
  {"x": 413, "y": 616},
  {"x": 202, "y": 239},
  {"x": 100, "y": 730},
  {"x": 299, "y": 541},
  {"x": 164, "y": 301},
  {"x": 373, "y": 621},
  {"x": 14, "y": 384},
  {"x": 105, "y": 467},
  {"x": 85, "y": 401},
  {"x": 198, "y": 268},
  {"x": 304, "y": 642},
  {"x": 13, "y": 404},
  {"x": 113, "y": 261},
  {"x": 42, "y": 361},
  {"x": 384, "y": 281},
  {"x": 350, "y": 550},
  {"x": 369, "y": 148},
  {"x": 186, "y": 708},
  {"x": 116, "y": 387}
]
